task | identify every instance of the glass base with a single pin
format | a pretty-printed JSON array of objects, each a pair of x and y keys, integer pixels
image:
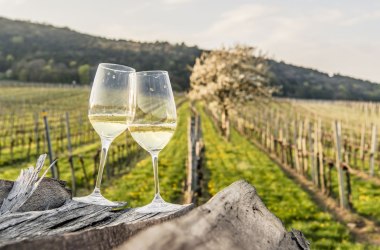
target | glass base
[
  {"x": 158, "y": 205},
  {"x": 97, "y": 199}
]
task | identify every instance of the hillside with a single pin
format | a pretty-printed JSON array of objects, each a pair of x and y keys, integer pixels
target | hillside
[
  {"x": 44, "y": 53},
  {"x": 299, "y": 82}
]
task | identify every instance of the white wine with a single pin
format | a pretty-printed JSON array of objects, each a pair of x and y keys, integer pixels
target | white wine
[
  {"x": 109, "y": 126},
  {"x": 152, "y": 137}
]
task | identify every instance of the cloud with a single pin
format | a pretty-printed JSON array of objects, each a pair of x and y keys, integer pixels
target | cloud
[
  {"x": 238, "y": 19},
  {"x": 12, "y": 2},
  {"x": 272, "y": 26},
  {"x": 175, "y": 1},
  {"x": 316, "y": 37},
  {"x": 253, "y": 23},
  {"x": 362, "y": 17},
  {"x": 136, "y": 8}
]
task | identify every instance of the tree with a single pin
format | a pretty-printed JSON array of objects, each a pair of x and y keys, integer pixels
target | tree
[
  {"x": 230, "y": 77},
  {"x": 84, "y": 74}
]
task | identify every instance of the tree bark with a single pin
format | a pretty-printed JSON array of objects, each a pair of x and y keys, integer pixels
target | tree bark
[
  {"x": 51, "y": 193},
  {"x": 235, "y": 218},
  {"x": 76, "y": 226},
  {"x": 225, "y": 123}
]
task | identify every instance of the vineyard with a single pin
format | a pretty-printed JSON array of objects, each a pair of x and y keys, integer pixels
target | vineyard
[
  {"x": 335, "y": 145},
  {"x": 275, "y": 145},
  {"x": 73, "y": 140}
]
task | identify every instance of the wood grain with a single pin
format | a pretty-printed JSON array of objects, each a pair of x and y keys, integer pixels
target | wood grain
[{"x": 235, "y": 218}]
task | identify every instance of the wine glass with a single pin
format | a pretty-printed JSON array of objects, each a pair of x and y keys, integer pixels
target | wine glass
[
  {"x": 154, "y": 124},
  {"x": 111, "y": 109}
]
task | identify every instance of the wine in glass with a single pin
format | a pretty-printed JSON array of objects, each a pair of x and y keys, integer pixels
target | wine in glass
[
  {"x": 154, "y": 124},
  {"x": 111, "y": 109}
]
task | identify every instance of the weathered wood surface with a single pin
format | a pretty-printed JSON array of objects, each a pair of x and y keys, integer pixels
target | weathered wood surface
[
  {"x": 23, "y": 188},
  {"x": 235, "y": 218},
  {"x": 38, "y": 213},
  {"x": 96, "y": 227},
  {"x": 51, "y": 193}
]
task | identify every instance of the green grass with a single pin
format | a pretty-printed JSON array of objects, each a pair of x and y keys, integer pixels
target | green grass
[
  {"x": 365, "y": 196},
  {"x": 227, "y": 162},
  {"x": 137, "y": 187}
]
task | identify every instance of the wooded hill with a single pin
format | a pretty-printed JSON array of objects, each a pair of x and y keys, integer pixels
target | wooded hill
[
  {"x": 299, "y": 82},
  {"x": 44, "y": 53}
]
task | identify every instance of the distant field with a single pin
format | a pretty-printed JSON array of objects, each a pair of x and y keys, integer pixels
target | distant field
[{"x": 23, "y": 134}]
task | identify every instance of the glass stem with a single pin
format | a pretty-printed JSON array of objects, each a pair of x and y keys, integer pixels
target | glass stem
[
  {"x": 103, "y": 157},
  {"x": 155, "y": 171}
]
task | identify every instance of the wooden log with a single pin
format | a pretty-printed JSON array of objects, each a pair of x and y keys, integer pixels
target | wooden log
[
  {"x": 51, "y": 193},
  {"x": 100, "y": 227},
  {"x": 24, "y": 187},
  {"x": 16, "y": 225},
  {"x": 235, "y": 218}
]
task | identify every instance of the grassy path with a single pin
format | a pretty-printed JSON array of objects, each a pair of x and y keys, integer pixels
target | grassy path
[
  {"x": 365, "y": 196},
  {"x": 239, "y": 159}
]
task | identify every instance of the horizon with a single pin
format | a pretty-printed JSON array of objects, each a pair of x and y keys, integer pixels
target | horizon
[
  {"x": 350, "y": 48},
  {"x": 189, "y": 45}
]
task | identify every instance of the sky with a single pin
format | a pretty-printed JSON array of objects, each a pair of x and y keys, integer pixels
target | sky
[{"x": 335, "y": 36}]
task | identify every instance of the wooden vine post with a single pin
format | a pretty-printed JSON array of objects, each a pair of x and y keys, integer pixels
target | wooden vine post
[
  {"x": 337, "y": 136},
  {"x": 312, "y": 153},
  {"x": 362, "y": 144},
  {"x": 295, "y": 147},
  {"x": 54, "y": 170},
  {"x": 69, "y": 148},
  {"x": 304, "y": 148},
  {"x": 194, "y": 159},
  {"x": 322, "y": 180},
  {"x": 373, "y": 150},
  {"x": 36, "y": 132}
]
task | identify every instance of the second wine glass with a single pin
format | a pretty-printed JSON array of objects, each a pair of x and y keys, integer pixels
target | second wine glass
[{"x": 154, "y": 124}]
